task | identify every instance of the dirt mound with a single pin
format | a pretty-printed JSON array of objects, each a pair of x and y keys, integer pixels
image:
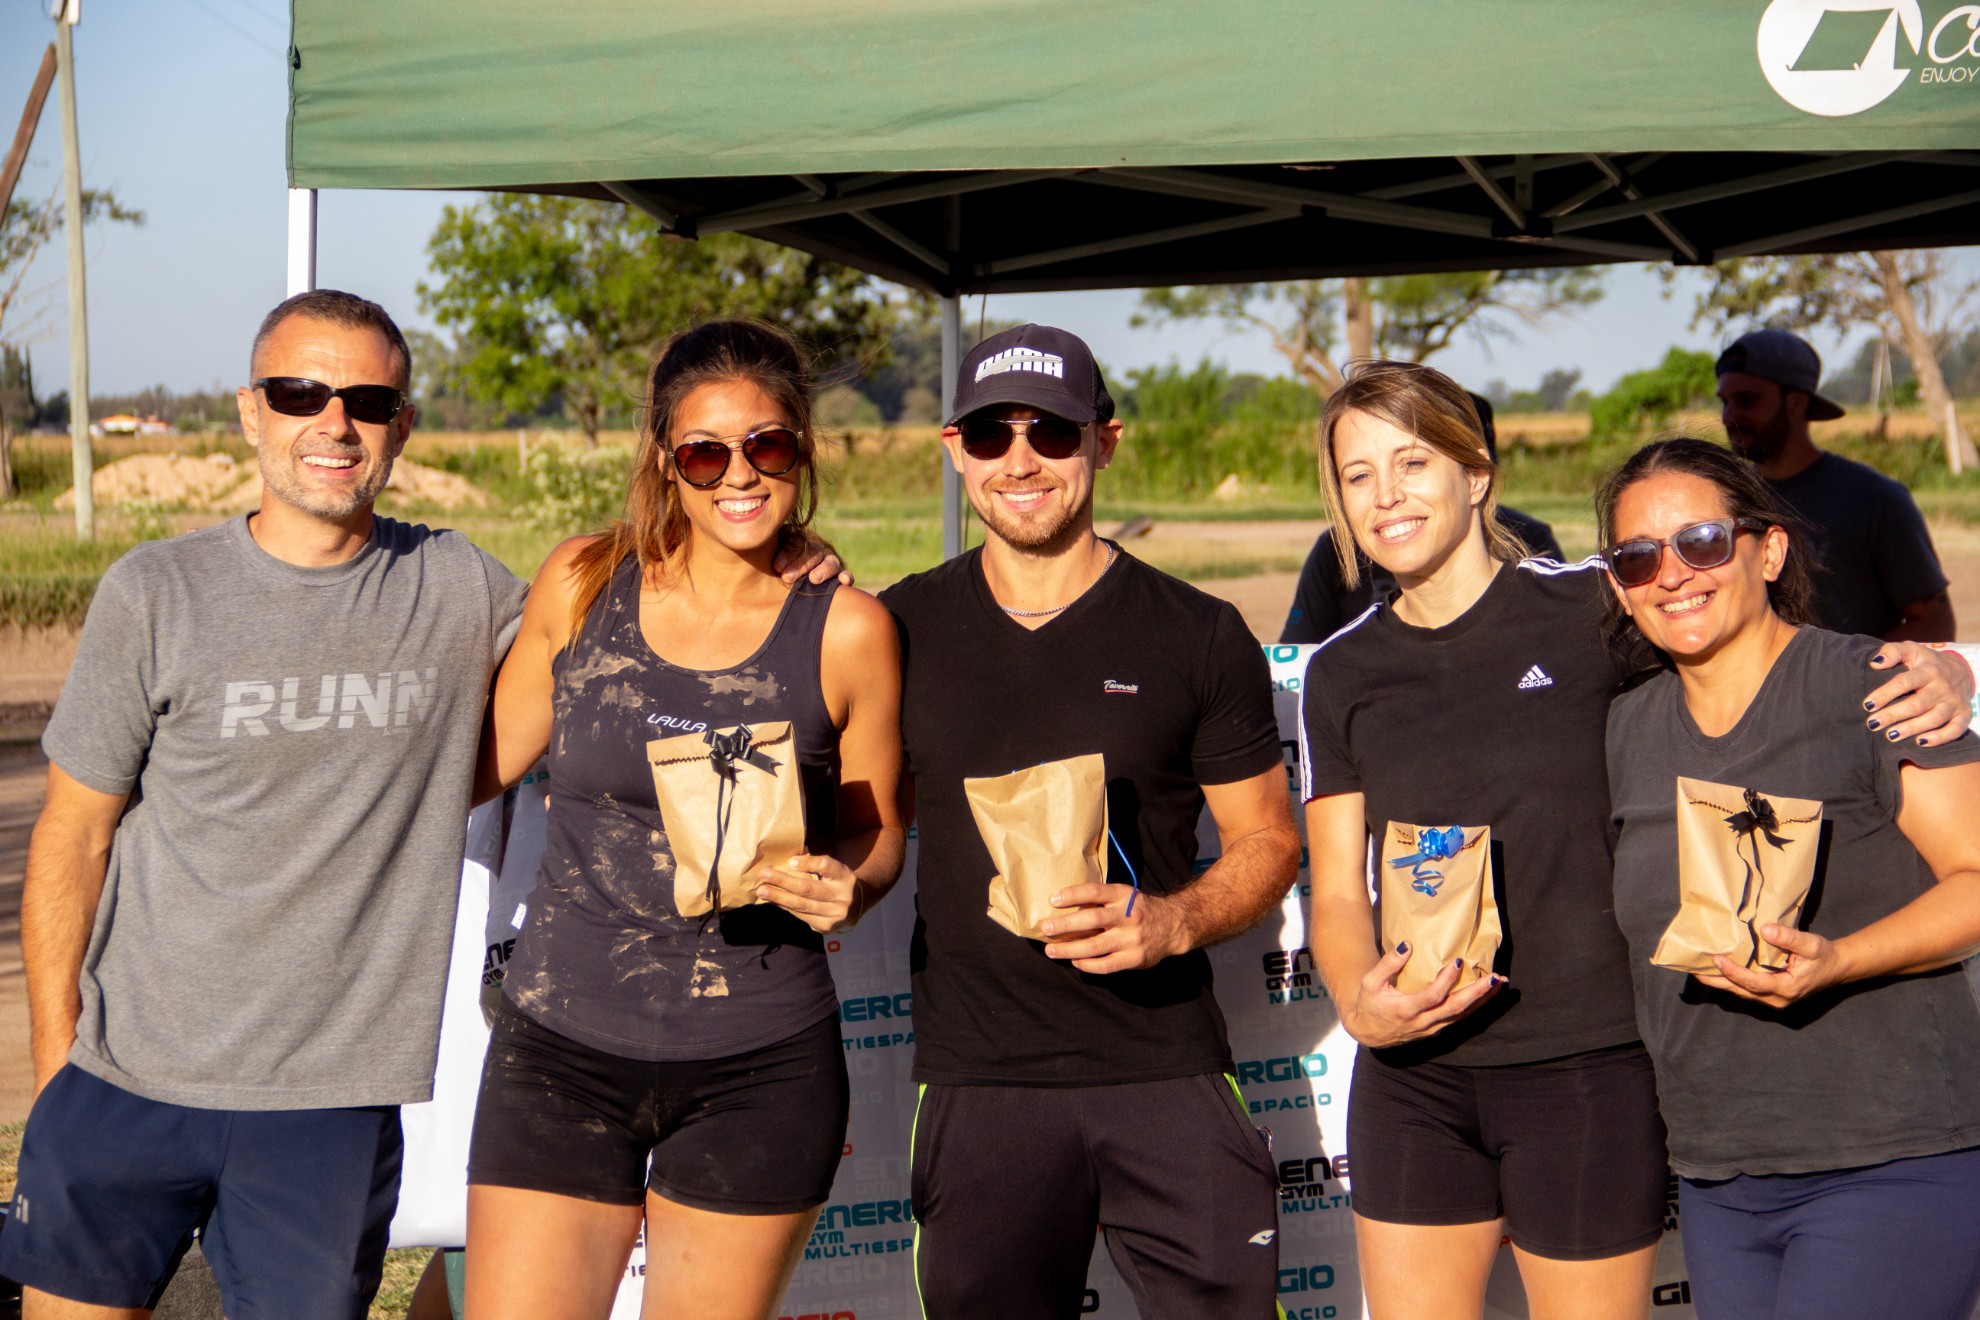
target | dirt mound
[
  {"x": 176, "y": 479},
  {"x": 219, "y": 484}
]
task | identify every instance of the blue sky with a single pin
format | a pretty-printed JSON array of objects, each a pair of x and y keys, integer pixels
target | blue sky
[{"x": 181, "y": 112}]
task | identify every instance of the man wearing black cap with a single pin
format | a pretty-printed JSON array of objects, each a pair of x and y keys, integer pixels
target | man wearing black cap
[
  {"x": 1881, "y": 576},
  {"x": 1082, "y": 1082}
]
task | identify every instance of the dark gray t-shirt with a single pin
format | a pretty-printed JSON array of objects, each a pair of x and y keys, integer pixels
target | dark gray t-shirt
[
  {"x": 298, "y": 746},
  {"x": 1870, "y": 540},
  {"x": 1864, "y": 1073}
]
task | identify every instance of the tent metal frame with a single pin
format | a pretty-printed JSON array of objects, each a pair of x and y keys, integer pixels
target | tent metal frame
[{"x": 1133, "y": 226}]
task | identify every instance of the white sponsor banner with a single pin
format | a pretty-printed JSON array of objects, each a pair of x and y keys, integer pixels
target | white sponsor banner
[{"x": 1294, "y": 1063}]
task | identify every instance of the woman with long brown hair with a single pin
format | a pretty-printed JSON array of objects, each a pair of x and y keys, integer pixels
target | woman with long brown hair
[
  {"x": 1511, "y": 1099},
  {"x": 651, "y": 1069}
]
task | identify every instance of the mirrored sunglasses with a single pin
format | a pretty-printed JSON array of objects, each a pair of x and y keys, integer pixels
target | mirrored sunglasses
[{"x": 1706, "y": 544}]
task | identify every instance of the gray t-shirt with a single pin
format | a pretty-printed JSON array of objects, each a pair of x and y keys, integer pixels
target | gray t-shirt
[
  {"x": 1874, "y": 554},
  {"x": 298, "y": 746},
  {"x": 1860, "y": 1074}
]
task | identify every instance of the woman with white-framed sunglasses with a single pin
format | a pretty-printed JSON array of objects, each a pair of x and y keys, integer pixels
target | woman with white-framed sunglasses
[{"x": 1818, "y": 1087}]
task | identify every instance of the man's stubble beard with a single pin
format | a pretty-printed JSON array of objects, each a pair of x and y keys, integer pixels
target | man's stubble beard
[
  {"x": 282, "y": 480},
  {"x": 1037, "y": 535},
  {"x": 1762, "y": 443}
]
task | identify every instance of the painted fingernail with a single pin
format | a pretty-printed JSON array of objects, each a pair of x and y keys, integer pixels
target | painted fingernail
[
  {"x": 1880, "y": 660},
  {"x": 1875, "y": 724},
  {"x": 1869, "y": 705},
  {"x": 1402, "y": 948},
  {"x": 1458, "y": 963},
  {"x": 1924, "y": 742},
  {"x": 1892, "y": 735}
]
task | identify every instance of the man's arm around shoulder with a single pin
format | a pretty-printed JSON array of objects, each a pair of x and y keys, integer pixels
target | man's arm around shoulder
[
  {"x": 68, "y": 855},
  {"x": 1129, "y": 930}
]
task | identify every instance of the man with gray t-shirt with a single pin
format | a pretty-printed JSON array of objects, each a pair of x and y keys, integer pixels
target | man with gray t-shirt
[{"x": 240, "y": 893}]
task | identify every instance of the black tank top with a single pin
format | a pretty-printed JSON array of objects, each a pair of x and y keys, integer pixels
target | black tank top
[{"x": 605, "y": 956}]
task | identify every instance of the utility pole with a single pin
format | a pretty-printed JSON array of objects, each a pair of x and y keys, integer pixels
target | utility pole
[{"x": 67, "y": 15}]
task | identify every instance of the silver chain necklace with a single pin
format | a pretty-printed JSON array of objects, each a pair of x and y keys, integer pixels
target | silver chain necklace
[{"x": 1112, "y": 550}]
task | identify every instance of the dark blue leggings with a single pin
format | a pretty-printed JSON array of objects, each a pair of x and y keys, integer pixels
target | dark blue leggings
[{"x": 1896, "y": 1241}]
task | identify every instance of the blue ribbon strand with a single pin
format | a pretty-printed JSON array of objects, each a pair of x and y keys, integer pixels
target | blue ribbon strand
[{"x": 1432, "y": 845}]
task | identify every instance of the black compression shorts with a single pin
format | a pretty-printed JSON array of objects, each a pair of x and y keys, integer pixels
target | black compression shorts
[
  {"x": 1011, "y": 1181},
  {"x": 1569, "y": 1151},
  {"x": 751, "y": 1134}
]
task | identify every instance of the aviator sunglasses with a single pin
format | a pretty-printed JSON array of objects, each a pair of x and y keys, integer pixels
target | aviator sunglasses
[
  {"x": 773, "y": 451},
  {"x": 1706, "y": 544},
  {"x": 989, "y": 438},
  {"x": 296, "y": 396}
]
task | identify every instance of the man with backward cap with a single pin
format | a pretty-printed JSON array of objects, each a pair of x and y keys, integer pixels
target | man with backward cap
[
  {"x": 1082, "y": 1081},
  {"x": 1877, "y": 571}
]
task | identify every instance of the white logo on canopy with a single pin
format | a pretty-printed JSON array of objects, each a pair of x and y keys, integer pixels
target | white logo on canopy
[{"x": 1789, "y": 26}]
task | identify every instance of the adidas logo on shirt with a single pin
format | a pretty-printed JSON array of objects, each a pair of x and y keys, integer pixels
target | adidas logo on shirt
[{"x": 1536, "y": 677}]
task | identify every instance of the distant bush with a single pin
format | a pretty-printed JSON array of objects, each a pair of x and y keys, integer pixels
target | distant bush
[
  {"x": 1188, "y": 430},
  {"x": 1643, "y": 400},
  {"x": 574, "y": 489}
]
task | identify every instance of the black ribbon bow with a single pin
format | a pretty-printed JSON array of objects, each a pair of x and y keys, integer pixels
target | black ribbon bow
[
  {"x": 726, "y": 752},
  {"x": 1758, "y": 821},
  {"x": 1758, "y": 818}
]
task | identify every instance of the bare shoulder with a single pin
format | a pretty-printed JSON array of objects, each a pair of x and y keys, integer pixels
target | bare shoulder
[
  {"x": 556, "y": 582},
  {"x": 859, "y": 625}
]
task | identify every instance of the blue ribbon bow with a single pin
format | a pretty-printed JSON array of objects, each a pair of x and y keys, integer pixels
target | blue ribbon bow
[{"x": 1432, "y": 845}]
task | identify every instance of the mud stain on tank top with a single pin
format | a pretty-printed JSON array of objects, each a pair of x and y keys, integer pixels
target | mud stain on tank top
[
  {"x": 753, "y": 687},
  {"x": 708, "y": 981},
  {"x": 600, "y": 664}
]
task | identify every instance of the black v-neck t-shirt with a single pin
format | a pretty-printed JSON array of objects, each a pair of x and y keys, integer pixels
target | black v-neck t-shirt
[
  {"x": 1168, "y": 685},
  {"x": 1496, "y": 718}
]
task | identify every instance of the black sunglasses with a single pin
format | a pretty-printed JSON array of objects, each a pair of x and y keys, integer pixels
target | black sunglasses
[
  {"x": 989, "y": 438},
  {"x": 773, "y": 451},
  {"x": 296, "y": 396},
  {"x": 1706, "y": 544}
]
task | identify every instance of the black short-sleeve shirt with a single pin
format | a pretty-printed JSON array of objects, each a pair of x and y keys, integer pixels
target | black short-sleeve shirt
[
  {"x": 1871, "y": 546},
  {"x": 1495, "y": 719},
  {"x": 1863, "y": 1073},
  {"x": 1168, "y": 685}
]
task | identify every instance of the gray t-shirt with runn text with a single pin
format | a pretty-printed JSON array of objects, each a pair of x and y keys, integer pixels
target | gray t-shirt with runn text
[{"x": 298, "y": 746}]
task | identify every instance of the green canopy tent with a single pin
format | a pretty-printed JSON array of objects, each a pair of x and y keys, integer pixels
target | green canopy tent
[{"x": 966, "y": 146}]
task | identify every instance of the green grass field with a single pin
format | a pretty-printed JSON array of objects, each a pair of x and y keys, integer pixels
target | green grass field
[{"x": 880, "y": 504}]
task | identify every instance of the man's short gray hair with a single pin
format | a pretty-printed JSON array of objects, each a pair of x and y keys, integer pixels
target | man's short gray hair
[{"x": 337, "y": 308}]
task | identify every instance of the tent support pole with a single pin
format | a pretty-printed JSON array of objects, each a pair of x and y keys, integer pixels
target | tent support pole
[
  {"x": 302, "y": 240},
  {"x": 952, "y": 491}
]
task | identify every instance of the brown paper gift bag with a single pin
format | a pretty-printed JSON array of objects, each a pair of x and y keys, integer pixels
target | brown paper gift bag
[
  {"x": 1437, "y": 898},
  {"x": 1046, "y": 828},
  {"x": 1744, "y": 859},
  {"x": 732, "y": 801}
]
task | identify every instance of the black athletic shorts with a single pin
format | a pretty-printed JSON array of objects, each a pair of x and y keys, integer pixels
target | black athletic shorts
[
  {"x": 751, "y": 1134},
  {"x": 1009, "y": 1183},
  {"x": 1569, "y": 1151}
]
